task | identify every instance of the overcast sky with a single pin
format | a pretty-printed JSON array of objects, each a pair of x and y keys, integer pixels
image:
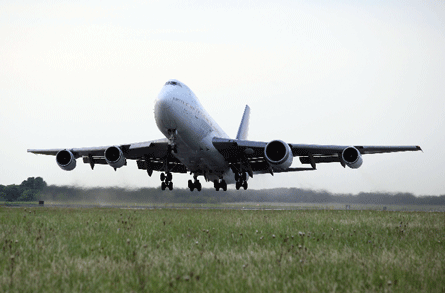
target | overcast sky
[{"x": 323, "y": 72}]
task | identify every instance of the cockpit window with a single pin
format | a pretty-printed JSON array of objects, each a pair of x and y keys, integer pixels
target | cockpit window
[{"x": 173, "y": 83}]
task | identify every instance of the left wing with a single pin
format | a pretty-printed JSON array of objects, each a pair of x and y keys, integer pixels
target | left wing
[
  {"x": 151, "y": 156},
  {"x": 251, "y": 156}
]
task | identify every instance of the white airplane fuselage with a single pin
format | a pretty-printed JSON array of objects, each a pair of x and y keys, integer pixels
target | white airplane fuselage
[{"x": 190, "y": 129}]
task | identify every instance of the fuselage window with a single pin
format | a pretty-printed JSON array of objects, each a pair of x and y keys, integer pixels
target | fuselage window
[{"x": 173, "y": 83}]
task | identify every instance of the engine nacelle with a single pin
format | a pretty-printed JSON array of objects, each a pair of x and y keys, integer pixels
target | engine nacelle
[
  {"x": 115, "y": 157},
  {"x": 278, "y": 154},
  {"x": 66, "y": 160},
  {"x": 352, "y": 157}
]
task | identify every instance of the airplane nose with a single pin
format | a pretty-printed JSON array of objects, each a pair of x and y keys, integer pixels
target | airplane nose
[
  {"x": 164, "y": 115},
  {"x": 162, "y": 103}
]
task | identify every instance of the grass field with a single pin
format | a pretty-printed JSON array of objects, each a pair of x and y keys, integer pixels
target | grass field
[{"x": 189, "y": 250}]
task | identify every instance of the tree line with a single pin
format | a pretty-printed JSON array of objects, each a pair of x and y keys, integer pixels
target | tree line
[
  {"x": 28, "y": 190},
  {"x": 35, "y": 188},
  {"x": 210, "y": 196}
]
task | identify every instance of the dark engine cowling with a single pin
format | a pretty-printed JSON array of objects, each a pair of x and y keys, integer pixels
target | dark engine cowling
[
  {"x": 66, "y": 160},
  {"x": 115, "y": 157},
  {"x": 352, "y": 157},
  {"x": 278, "y": 154}
]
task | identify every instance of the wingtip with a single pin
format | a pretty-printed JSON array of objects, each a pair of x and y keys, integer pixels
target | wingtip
[{"x": 419, "y": 148}]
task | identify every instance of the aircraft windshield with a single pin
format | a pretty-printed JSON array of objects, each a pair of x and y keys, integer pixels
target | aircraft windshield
[{"x": 173, "y": 83}]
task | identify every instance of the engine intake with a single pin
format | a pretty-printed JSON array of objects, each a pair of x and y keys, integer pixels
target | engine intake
[
  {"x": 352, "y": 158},
  {"x": 66, "y": 160},
  {"x": 115, "y": 157},
  {"x": 278, "y": 154}
]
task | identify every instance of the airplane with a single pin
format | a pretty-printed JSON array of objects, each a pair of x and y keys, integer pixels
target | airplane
[{"x": 194, "y": 143}]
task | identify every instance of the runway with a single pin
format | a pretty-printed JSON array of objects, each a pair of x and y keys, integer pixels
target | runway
[{"x": 268, "y": 206}]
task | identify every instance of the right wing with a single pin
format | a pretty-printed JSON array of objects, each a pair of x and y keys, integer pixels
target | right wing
[
  {"x": 249, "y": 156},
  {"x": 152, "y": 155}
]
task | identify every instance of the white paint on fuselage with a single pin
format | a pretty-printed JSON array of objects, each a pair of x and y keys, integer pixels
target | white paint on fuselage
[{"x": 177, "y": 108}]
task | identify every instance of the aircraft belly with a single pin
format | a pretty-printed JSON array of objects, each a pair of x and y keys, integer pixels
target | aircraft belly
[{"x": 195, "y": 148}]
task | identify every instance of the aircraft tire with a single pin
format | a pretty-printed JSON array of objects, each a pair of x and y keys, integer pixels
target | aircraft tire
[{"x": 163, "y": 185}]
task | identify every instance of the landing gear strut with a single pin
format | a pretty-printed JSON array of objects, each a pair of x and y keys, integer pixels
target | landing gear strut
[
  {"x": 241, "y": 181},
  {"x": 166, "y": 181},
  {"x": 220, "y": 185}
]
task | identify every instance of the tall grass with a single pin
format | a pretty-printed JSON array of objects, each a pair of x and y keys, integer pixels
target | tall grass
[{"x": 71, "y": 250}]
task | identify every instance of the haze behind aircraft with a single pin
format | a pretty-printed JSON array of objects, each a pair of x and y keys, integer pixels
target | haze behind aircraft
[{"x": 196, "y": 144}]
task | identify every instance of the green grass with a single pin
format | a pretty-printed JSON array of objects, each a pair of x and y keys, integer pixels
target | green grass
[{"x": 185, "y": 250}]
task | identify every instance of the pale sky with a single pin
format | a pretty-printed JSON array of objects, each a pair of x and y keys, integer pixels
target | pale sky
[{"x": 321, "y": 72}]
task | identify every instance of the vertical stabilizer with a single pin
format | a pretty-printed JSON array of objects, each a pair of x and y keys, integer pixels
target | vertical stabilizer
[{"x": 244, "y": 126}]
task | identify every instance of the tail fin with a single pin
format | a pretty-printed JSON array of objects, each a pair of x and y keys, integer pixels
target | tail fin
[{"x": 244, "y": 126}]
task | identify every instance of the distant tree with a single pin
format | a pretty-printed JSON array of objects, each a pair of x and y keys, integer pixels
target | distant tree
[
  {"x": 33, "y": 183},
  {"x": 12, "y": 192},
  {"x": 2, "y": 196},
  {"x": 28, "y": 195}
]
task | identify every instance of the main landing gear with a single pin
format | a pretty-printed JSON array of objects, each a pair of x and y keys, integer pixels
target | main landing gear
[
  {"x": 195, "y": 185},
  {"x": 166, "y": 179},
  {"x": 241, "y": 181},
  {"x": 220, "y": 185}
]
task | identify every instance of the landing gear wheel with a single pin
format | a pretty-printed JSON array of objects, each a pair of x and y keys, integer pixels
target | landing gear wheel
[
  {"x": 245, "y": 185},
  {"x": 191, "y": 185},
  {"x": 223, "y": 185},
  {"x": 194, "y": 184},
  {"x": 163, "y": 185},
  {"x": 162, "y": 177},
  {"x": 238, "y": 185},
  {"x": 169, "y": 176},
  {"x": 170, "y": 185},
  {"x": 216, "y": 185}
]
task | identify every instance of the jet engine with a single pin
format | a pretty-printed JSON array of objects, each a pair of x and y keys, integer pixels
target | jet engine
[
  {"x": 278, "y": 154},
  {"x": 352, "y": 158},
  {"x": 115, "y": 157},
  {"x": 66, "y": 160}
]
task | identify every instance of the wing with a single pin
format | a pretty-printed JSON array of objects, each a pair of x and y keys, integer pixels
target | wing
[
  {"x": 250, "y": 155},
  {"x": 150, "y": 155}
]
